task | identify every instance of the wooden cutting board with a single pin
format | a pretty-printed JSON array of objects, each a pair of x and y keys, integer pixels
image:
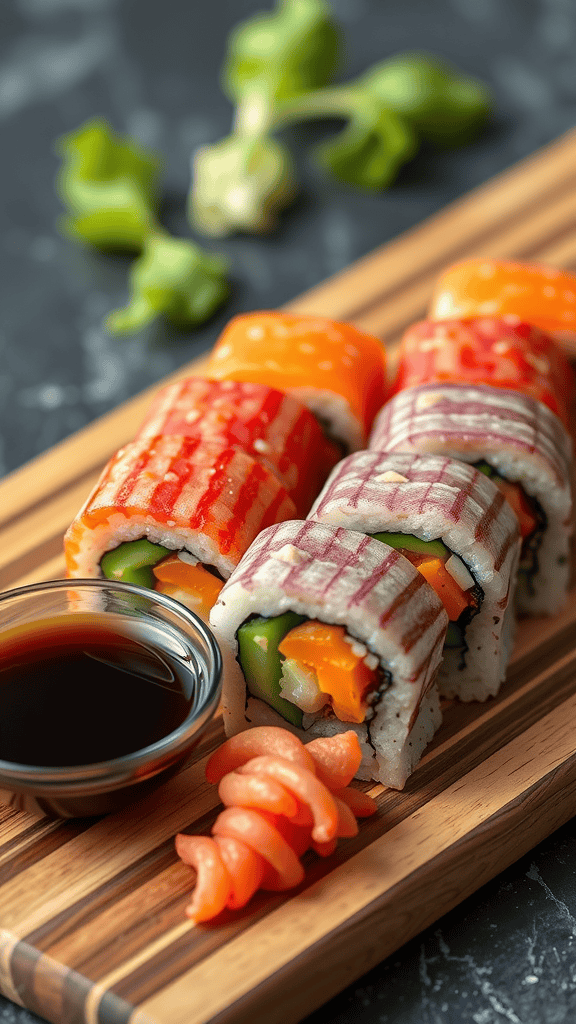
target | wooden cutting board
[{"x": 92, "y": 924}]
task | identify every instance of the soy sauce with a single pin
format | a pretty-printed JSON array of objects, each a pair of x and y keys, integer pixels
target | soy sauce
[{"x": 77, "y": 692}]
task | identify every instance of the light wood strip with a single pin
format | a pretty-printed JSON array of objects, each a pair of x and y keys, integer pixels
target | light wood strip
[
  {"x": 562, "y": 254},
  {"x": 7, "y": 986},
  {"x": 41, "y": 526}
]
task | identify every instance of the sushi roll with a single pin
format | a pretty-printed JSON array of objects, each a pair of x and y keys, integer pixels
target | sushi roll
[
  {"x": 457, "y": 529},
  {"x": 271, "y": 427},
  {"x": 174, "y": 515},
  {"x": 338, "y": 372},
  {"x": 324, "y": 630},
  {"x": 500, "y": 351},
  {"x": 519, "y": 443},
  {"x": 535, "y": 293}
]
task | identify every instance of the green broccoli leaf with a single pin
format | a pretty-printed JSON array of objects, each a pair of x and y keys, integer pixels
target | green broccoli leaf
[
  {"x": 173, "y": 277},
  {"x": 287, "y": 51},
  {"x": 110, "y": 187},
  {"x": 445, "y": 107},
  {"x": 240, "y": 184},
  {"x": 370, "y": 150}
]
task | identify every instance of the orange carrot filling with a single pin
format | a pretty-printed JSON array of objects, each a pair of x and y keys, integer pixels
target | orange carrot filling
[
  {"x": 341, "y": 672},
  {"x": 520, "y": 505},
  {"x": 453, "y": 597},
  {"x": 174, "y": 574}
]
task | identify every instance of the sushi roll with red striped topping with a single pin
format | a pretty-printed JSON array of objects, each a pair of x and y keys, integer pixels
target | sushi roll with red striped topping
[
  {"x": 519, "y": 443},
  {"x": 175, "y": 515},
  {"x": 455, "y": 526},
  {"x": 500, "y": 351},
  {"x": 324, "y": 630},
  {"x": 271, "y": 427}
]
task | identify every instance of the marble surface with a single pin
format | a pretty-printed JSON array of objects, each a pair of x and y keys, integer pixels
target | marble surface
[{"x": 508, "y": 953}]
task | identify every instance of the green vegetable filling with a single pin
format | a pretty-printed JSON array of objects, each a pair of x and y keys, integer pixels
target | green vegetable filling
[
  {"x": 455, "y": 634},
  {"x": 132, "y": 562},
  {"x": 434, "y": 548},
  {"x": 261, "y": 661}
]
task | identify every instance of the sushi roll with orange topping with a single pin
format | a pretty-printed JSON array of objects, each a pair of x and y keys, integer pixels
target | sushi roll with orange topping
[
  {"x": 174, "y": 515},
  {"x": 337, "y": 371},
  {"x": 266, "y": 424},
  {"x": 535, "y": 293}
]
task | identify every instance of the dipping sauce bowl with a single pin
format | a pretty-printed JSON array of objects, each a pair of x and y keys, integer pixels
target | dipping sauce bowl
[{"x": 105, "y": 688}]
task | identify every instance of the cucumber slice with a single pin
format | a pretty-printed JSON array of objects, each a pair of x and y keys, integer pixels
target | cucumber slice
[
  {"x": 454, "y": 636},
  {"x": 483, "y": 467},
  {"x": 132, "y": 562},
  {"x": 410, "y": 543},
  {"x": 261, "y": 661}
]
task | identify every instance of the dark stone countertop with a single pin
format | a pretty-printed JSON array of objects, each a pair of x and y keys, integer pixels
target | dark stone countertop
[{"x": 506, "y": 954}]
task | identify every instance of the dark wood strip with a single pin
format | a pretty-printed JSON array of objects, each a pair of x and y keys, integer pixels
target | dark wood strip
[
  {"x": 51, "y": 990},
  {"x": 33, "y": 559}
]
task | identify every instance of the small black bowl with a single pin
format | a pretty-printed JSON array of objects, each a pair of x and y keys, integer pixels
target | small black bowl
[{"x": 161, "y": 631}]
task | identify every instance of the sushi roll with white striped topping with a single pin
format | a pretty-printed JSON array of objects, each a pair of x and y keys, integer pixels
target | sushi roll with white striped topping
[
  {"x": 325, "y": 630},
  {"x": 518, "y": 442},
  {"x": 455, "y": 526}
]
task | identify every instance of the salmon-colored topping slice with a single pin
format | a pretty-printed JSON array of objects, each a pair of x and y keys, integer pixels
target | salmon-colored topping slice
[
  {"x": 292, "y": 352},
  {"x": 535, "y": 293}
]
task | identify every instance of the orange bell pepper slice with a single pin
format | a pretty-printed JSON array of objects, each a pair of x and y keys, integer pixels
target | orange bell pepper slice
[
  {"x": 520, "y": 505},
  {"x": 341, "y": 673},
  {"x": 194, "y": 579},
  {"x": 453, "y": 597}
]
